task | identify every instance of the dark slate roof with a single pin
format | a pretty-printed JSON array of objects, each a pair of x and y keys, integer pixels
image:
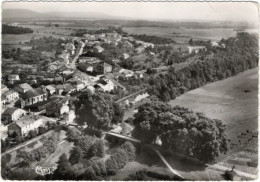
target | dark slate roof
[
  {"x": 9, "y": 92},
  {"x": 9, "y": 111},
  {"x": 56, "y": 105},
  {"x": 65, "y": 99},
  {"x": 33, "y": 93},
  {"x": 3, "y": 86}
]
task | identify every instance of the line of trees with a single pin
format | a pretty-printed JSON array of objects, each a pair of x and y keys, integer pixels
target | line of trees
[
  {"x": 240, "y": 54},
  {"x": 152, "y": 39},
  {"x": 181, "y": 130},
  {"x": 92, "y": 169},
  {"x": 7, "y": 29},
  {"x": 49, "y": 147},
  {"x": 124, "y": 154},
  {"x": 110, "y": 29}
]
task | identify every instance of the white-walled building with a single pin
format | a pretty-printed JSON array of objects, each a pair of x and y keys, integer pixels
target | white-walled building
[
  {"x": 22, "y": 88},
  {"x": 10, "y": 95},
  {"x": 4, "y": 88},
  {"x": 25, "y": 124},
  {"x": 12, "y": 114},
  {"x": 58, "y": 108},
  {"x": 33, "y": 96},
  {"x": 125, "y": 73},
  {"x": 12, "y": 78}
]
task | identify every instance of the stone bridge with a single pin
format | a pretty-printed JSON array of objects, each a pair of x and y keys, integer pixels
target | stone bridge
[{"x": 135, "y": 97}]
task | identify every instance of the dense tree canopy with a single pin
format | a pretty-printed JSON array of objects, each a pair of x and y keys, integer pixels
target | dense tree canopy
[
  {"x": 97, "y": 110},
  {"x": 7, "y": 29},
  {"x": 153, "y": 39},
  {"x": 240, "y": 53},
  {"x": 110, "y": 29},
  {"x": 75, "y": 155},
  {"x": 181, "y": 130},
  {"x": 63, "y": 171}
]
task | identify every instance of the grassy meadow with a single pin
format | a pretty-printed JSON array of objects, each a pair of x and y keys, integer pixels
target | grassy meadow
[{"x": 233, "y": 101}]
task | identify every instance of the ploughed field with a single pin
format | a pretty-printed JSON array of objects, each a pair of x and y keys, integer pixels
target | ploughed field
[{"x": 235, "y": 102}]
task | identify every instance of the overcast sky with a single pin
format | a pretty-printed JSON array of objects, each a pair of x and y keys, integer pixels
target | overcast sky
[{"x": 245, "y": 11}]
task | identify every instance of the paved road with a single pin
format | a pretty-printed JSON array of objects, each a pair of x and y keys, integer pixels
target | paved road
[
  {"x": 78, "y": 53},
  {"x": 167, "y": 164},
  {"x": 240, "y": 173},
  {"x": 26, "y": 143},
  {"x": 124, "y": 137},
  {"x": 215, "y": 166},
  {"x": 129, "y": 96},
  {"x": 157, "y": 152}
]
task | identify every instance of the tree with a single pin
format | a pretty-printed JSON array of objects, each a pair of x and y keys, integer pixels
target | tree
[
  {"x": 5, "y": 144},
  {"x": 120, "y": 158},
  {"x": 7, "y": 29},
  {"x": 101, "y": 110},
  {"x": 26, "y": 157},
  {"x": 85, "y": 142},
  {"x": 98, "y": 149},
  {"x": 90, "y": 174},
  {"x": 63, "y": 171},
  {"x": 75, "y": 155},
  {"x": 32, "y": 134},
  {"x": 130, "y": 149},
  {"x": 73, "y": 134},
  {"x": 181, "y": 130},
  {"x": 118, "y": 113},
  {"x": 237, "y": 55},
  {"x": 191, "y": 42}
]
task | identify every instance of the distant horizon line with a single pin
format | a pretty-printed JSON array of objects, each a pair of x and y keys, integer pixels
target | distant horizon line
[{"x": 112, "y": 17}]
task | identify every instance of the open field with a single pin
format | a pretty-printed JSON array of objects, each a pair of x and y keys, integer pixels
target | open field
[
  {"x": 10, "y": 41},
  {"x": 233, "y": 101},
  {"x": 184, "y": 34},
  {"x": 227, "y": 100},
  {"x": 191, "y": 170}
]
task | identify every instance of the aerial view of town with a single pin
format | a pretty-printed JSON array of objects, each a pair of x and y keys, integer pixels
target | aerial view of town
[{"x": 129, "y": 91}]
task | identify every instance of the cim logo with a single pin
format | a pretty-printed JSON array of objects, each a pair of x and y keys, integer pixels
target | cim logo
[{"x": 44, "y": 170}]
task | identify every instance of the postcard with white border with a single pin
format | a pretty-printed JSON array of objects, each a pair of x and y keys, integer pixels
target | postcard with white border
[{"x": 129, "y": 91}]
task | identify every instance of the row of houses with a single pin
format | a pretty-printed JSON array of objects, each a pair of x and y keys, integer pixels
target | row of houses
[
  {"x": 20, "y": 121},
  {"x": 98, "y": 67}
]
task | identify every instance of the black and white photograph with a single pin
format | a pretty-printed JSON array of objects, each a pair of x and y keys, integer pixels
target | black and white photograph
[{"x": 129, "y": 91}]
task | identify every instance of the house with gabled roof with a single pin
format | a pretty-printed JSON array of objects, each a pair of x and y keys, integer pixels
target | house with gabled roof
[
  {"x": 4, "y": 88},
  {"x": 117, "y": 84},
  {"x": 69, "y": 88},
  {"x": 25, "y": 124},
  {"x": 22, "y": 88},
  {"x": 125, "y": 73},
  {"x": 13, "y": 77},
  {"x": 10, "y": 95},
  {"x": 98, "y": 49},
  {"x": 66, "y": 88},
  {"x": 58, "y": 108},
  {"x": 70, "y": 47},
  {"x": 50, "y": 89},
  {"x": 12, "y": 114},
  {"x": 33, "y": 96},
  {"x": 79, "y": 85}
]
